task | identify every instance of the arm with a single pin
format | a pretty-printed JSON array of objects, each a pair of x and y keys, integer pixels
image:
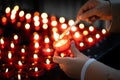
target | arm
[{"x": 72, "y": 66}]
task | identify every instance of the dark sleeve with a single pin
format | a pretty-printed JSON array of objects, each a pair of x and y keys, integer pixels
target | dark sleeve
[{"x": 115, "y": 6}]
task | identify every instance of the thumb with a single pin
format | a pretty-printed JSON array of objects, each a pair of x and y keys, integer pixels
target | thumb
[{"x": 74, "y": 50}]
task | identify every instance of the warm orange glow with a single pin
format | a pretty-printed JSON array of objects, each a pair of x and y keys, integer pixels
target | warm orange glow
[
  {"x": 45, "y": 20},
  {"x": 37, "y": 23},
  {"x": 1, "y": 41},
  {"x": 54, "y": 23},
  {"x": 12, "y": 17},
  {"x": 36, "y": 45},
  {"x": 73, "y": 29},
  {"x": 9, "y": 54},
  {"x": 20, "y": 63},
  {"x": 45, "y": 26},
  {"x": 36, "y": 18},
  {"x": 36, "y": 13},
  {"x": 81, "y": 44},
  {"x": 104, "y": 31},
  {"x": 13, "y": 12},
  {"x": 77, "y": 34},
  {"x": 53, "y": 18},
  {"x": 19, "y": 77},
  {"x": 90, "y": 39},
  {"x": 35, "y": 56},
  {"x": 47, "y": 61},
  {"x": 85, "y": 32},
  {"x": 55, "y": 29},
  {"x": 21, "y": 13},
  {"x": 36, "y": 69},
  {"x": 97, "y": 36},
  {"x": 56, "y": 36},
  {"x": 64, "y": 26},
  {"x": 28, "y": 16},
  {"x": 36, "y": 36},
  {"x": 44, "y": 15},
  {"x": 4, "y": 19},
  {"x": 6, "y": 70},
  {"x": 16, "y": 7},
  {"x": 91, "y": 28},
  {"x": 46, "y": 40},
  {"x": 70, "y": 22},
  {"x": 7, "y": 10},
  {"x": 12, "y": 45},
  {"x": 15, "y": 37},
  {"x": 62, "y": 54},
  {"x": 27, "y": 26},
  {"x": 22, "y": 50},
  {"x": 81, "y": 26},
  {"x": 61, "y": 19}
]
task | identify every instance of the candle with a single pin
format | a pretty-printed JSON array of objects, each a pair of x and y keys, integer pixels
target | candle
[
  {"x": 28, "y": 17},
  {"x": 15, "y": 38},
  {"x": 37, "y": 25},
  {"x": 61, "y": 45},
  {"x": 4, "y": 20},
  {"x": 27, "y": 26},
  {"x": 47, "y": 41},
  {"x": 21, "y": 65},
  {"x": 54, "y": 23},
  {"x": 21, "y": 15},
  {"x": 81, "y": 26},
  {"x": 48, "y": 51},
  {"x": 7, "y": 11},
  {"x": 77, "y": 36},
  {"x": 36, "y": 70},
  {"x": 2, "y": 43},
  {"x": 61, "y": 19}
]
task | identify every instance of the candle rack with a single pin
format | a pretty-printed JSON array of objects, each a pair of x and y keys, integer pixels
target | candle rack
[{"x": 29, "y": 37}]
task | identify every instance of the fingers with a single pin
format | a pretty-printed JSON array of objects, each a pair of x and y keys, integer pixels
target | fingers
[
  {"x": 61, "y": 60},
  {"x": 74, "y": 50}
]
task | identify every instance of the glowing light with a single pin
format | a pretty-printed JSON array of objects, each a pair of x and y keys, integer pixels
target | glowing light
[
  {"x": 97, "y": 36},
  {"x": 56, "y": 36},
  {"x": 104, "y": 31},
  {"x": 90, "y": 39},
  {"x": 47, "y": 61},
  {"x": 20, "y": 63},
  {"x": 62, "y": 20},
  {"x": 45, "y": 20},
  {"x": 81, "y": 26},
  {"x": 71, "y": 22},
  {"x": 2, "y": 41},
  {"x": 27, "y": 26},
  {"x": 54, "y": 23},
  {"x": 77, "y": 34},
  {"x": 19, "y": 77},
  {"x": 21, "y": 13},
  {"x": 81, "y": 44},
  {"x": 91, "y": 28},
  {"x": 7, "y": 10},
  {"x": 36, "y": 18},
  {"x": 54, "y": 29},
  {"x": 4, "y": 19},
  {"x": 16, "y": 7},
  {"x": 35, "y": 56},
  {"x": 64, "y": 26},
  {"x": 37, "y": 23},
  {"x": 9, "y": 54},
  {"x": 73, "y": 29},
  {"x": 6, "y": 70},
  {"x": 45, "y": 26},
  {"x": 22, "y": 50},
  {"x": 62, "y": 54},
  {"x": 28, "y": 16},
  {"x": 44, "y": 15},
  {"x": 36, "y": 36},
  {"x": 12, "y": 17},
  {"x": 15, "y": 37},
  {"x": 46, "y": 40},
  {"x": 12, "y": 45},
  {"x": 36, "y": 45},
  {"x": 36, "y": 69},
  {"x": 85, "y": 32}
]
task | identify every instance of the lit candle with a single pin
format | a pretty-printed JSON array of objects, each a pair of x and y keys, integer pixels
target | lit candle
[
  {"x": 2, "y": 43},
  {"x": 36, "y": 36},
  {"x": 16, "y": 39},
  {"x": 47, "y": 41},
  {"x": 91, "y": 29},
  {"x": 7, "y": 11},
  {"x": 21, "y": 15},
  {"x": 54, "y": 23},
  {"x": 90, "y": 41},
  {"x": 61, "y": 45},
  {"x": 27, "y": 26},
  {"x": 81, "y": 26},
  {"x": 4, "y": 20},
  {"x": 61, "y": 19},
  {"x": 28, "y": 17},
  {"x": 37, "y": 25},
  {"x": 77, "y": 36},
  {"x": 48, "y": 51},
  {"x": 63, "y": 26},
  {"x": 19, "y": 77}
]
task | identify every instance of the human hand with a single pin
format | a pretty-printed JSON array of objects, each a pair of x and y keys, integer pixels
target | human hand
[
  {"x": 71, "y": 65},
  {"x": 94, "y": 10}
]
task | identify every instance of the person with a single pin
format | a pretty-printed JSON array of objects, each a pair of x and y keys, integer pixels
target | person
[{"x": 81, "y": 66}]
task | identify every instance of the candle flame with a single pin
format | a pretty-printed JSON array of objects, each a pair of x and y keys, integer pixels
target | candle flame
[
  {"x": 36, "y": 23},
  {"x": 62, "y": 54},
  {"x": 7, "y": 10},
  {"x": 15, "y": 37},
  {"x": 19, "y": 62},
  {"x": 35, "y": 56},
  {"x": 90, "y": 39},
  {"x": 9, "y": 54},
  {"x": 81, "y": 26},
  {"x": 81, "y": 44},
  {"x": 45, "y": 20},
  {"x": 64, "y": 26},
  {"x": 22, "y": 50},
  {"x": 97, "y": 36},
  {"x": 77, "y": 34},
  {"x": 36, "y": 18},
  {"x": 45, "y": 26},
  {"x": 16, "y": 7},
  {"x": 36, "y": 69},
  {"x": 28, "y": 16},
  {"x": 27, "y": 26},
  {"x": 46, "y": 40},
  {"x": 12, "y": 45},
  {"x": 21, "y": 13},
  {"x": 44, "y": 15},
  {"x": 47, "y": 61},
  {"x": 19, "y": 77},
  {"x": 36, "y": 36},
  {"x": 56, "y": 36},
  {"x": 6, "y": 70},
  {"x": 62, "y": 20},
  {"x": 2, "y": 41},
  {"x": 85, "y": 32},
  {"x": 91, "y": 28},
  {"x": 54, "y": 23},
  {"x": 104, "y": 31},
  {"x": 36, "y": 45}
]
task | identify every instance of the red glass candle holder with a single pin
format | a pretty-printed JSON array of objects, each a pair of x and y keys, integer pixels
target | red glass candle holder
[
  {"x": 48, "y": 51},
  {"x": 36, "y": 70},
  {"x": 62, "y": 45}
]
